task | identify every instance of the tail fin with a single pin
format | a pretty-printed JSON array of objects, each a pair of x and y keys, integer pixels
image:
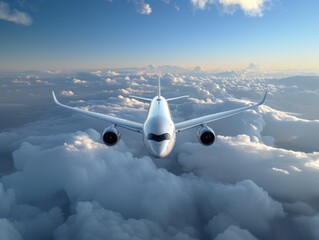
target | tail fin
[{"x": 159, "y": 87}]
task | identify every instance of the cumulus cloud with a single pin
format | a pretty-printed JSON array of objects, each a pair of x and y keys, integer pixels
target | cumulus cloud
[
  {"x": 234, "y": 232},
  {"x": 142, "y": 7},
  {"x": 14, "y": 15},
  {"x": 8, "y": 231},
  {"x": 250, "y": 7},
  {"x": 85, "y": 174},
  {"x": 94, "y": 220},
  {"x": 67, "y": 93},
  {"x": 79, "y": 81},
  {"x": 145, "y": 9},
  {"x": 310, "y": 223}
]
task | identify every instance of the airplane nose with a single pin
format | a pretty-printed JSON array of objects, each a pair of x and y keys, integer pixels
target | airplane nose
[{"x": 158, "y": 150}]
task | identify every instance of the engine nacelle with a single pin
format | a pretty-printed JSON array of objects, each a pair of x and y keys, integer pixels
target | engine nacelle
[
  {"x": 206, "y": 135},
  {"x": 111, "y": 136}
]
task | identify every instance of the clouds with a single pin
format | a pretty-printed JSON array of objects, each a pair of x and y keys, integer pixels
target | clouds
[
  {"x": 89, "y": 171},
  {"x": 250, "y": 7},
  {"x": 14, "y": 15},
  {"x": 99, "y": 223},
  {"x": 258, "y": 180},
  {"x": 8, "y": 231},
  {"x": 67, "y": 93},
  {"x": 234, "y": 232},
  {"x": 144, "y": 9}
]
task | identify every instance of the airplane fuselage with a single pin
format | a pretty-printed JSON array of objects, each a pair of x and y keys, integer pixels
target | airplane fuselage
[{"x": 159, "y": 133}]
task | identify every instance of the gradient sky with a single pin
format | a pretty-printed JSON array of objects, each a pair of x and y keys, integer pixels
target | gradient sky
[{"x": 59, "y": 34}]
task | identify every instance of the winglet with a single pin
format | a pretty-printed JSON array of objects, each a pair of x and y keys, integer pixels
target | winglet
[
  {"x": 263, "y": 100},
  {"x": 55, "y": 99}
]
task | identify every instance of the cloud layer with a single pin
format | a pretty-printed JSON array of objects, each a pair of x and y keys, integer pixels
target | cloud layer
[{"x": 258, "y": 181}]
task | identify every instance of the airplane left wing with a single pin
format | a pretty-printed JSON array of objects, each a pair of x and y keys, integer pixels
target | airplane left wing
[
  {"x": 131, "y": 125},
  {"x": 181, "y": 126}
]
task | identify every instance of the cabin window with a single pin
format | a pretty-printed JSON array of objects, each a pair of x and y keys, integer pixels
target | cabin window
[{"x": 158, "y": 138}]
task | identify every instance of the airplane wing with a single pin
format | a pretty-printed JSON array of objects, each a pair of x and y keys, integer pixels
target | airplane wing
[
  {"x": 176, "y": 98},
  {"x": 181, "y": 126},
  {"x": 134, "y": 126},
  {"x": 143, "y": 99}
]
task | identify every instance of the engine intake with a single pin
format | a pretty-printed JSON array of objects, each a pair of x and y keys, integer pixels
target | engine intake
[
  {"x": 206, "y": 135},
  {"x": 111, "y": 136}
]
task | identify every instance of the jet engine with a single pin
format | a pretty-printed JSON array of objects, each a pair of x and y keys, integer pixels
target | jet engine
[
  {"x": 111, "y": 136},
  {"x": 206, "y": 135}
]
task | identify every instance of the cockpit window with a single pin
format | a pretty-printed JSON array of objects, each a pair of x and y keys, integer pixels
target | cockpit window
[{"x": 158, "y": 138}]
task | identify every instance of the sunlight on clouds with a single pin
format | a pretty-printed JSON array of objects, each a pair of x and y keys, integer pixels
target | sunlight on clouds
[
  {"x": 145, "y": 9},
  {"x": 280, "y": 170},
  {"x": 67, "y": 93},
  {"x": 249, "y": 7},
  {"x": 79, "y": 81},
  {"x": 142, "y": 7},
  {"x": 14, "y": 15},
  {"x": 82, "y": 142},
  {"x": 313, "y": 164}
]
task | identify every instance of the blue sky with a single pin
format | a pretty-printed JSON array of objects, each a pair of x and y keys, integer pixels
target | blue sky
[{"x": 215, "y": 34}]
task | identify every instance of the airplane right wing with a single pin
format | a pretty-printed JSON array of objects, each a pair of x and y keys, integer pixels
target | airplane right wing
[
  {"x": 134, "y": 126},
  {"x": 176, "y": 98},
  {"x": 181, "y": 126}
]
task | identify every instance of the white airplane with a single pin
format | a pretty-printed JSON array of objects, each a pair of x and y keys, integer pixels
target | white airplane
[{"x": 159, "y": 130}]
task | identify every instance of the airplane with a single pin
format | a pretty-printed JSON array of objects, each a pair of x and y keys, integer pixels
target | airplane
[{"x": 159, "y": 130}]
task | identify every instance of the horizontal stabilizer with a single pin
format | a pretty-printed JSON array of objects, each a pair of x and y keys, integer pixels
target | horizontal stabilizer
[
  {"x": 176, "y": 98},
  {"x": 141, "y": 98}
]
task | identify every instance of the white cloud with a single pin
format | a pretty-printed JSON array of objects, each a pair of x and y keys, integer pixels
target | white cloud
[
  {"x": 67, "y": 93},
  {"x": 79, "y": 81},
  {"x": 142, "y": 7},
  {"x": 280, "y": 170},
  {"x": 112, "y": 73},
  {"x": 97, "y": 73},
  {"x": 14, "y": 15},
  {"x": 145, "y": 9},
  {"x": 201, "y": 4},
  {"x": 176, "y": 79},
  {"x": 249, "y": 7}
]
